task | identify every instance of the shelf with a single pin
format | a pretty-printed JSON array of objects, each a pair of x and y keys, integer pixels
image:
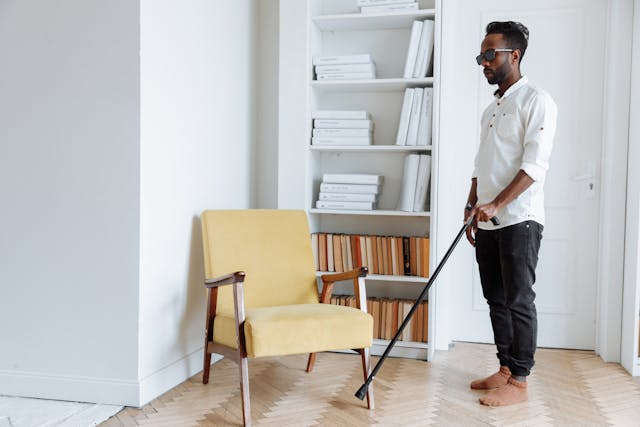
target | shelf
[
  {"x": 406, "y": 349},
  {"x": 385, "y": 278},
  {"x": 370, "y": 85},
  {"x": 373, "y": 148},
  {"x": 378, "y": 21},
  {"x": 371, "y": 213},
  {"x": 414, "y": 350}
]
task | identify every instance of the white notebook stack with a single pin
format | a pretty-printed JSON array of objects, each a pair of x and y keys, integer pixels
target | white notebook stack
[
  {"x": 414, "y": 126},
  {"x": 387, "y": 6},
  {"x": 415, "y": 183},
  {"x": 344, "y": 67},
  {"x": 418, "y": 61},
  {"x": 341, "y": 128},
  {"x": 349, "y": 191}
]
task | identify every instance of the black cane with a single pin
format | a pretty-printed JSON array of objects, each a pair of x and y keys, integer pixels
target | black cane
[{"x": 362, "y": 391}]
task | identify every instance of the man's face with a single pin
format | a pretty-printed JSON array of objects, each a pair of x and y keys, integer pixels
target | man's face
[{"x": 497, "y": 69}]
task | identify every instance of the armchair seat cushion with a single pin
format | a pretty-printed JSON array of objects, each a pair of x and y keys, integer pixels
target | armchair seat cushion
[{"x": 296, "y": 329}]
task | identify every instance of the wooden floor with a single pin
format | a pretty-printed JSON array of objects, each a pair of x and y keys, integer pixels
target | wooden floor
[{"x": 566, "y": 388}]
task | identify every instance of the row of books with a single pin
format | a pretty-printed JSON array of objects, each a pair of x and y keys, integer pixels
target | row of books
[
  {"x": 414, "y": 126},
  {"x": 418, "y": 62},
  {"x": 388, "y": 315},
  {"x": 415, "y": 183},
  {"x": 341, "y": 127},
  {"x": 344, "y": 67},
  {"x": 387, "y": 6},
  {"x": 384, "y": 255},
  {"x": 349, "y": 191}
]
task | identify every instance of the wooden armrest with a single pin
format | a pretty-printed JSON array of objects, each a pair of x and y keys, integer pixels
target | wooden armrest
[
  {"x": 358, "y": 285},
  {"x": 336, "y": 277},
  {"x": 236, "y": 277}
]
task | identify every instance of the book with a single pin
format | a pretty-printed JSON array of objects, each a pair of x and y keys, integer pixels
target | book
[
  {"x": 342, "y": 124},
  {"x": 349, "y": 188},
  {"x": 330, "y": 265},
  {"x": 424, "y": 127},
  {"x": 337, "y": 253},
  {"x": 346, "y": 253},
  {"x": 362, "y": 251},
  {"x": 346, "y": 76},
  {"x": 342, "y": 59},
  {"x": 407, "y": 334},
  {"x": 425, "y": 50},
  {"x": 409, "y": 180},
  {"x": 414, "y": 117},
  {"x": 413, "y": 258},
  {"x": 412, "y": 51},
  {"x": 423, "y": 251},
  {"x": 340, "y": 133},
  {"x": 340, "y": 114},
  {"x": 425, "y": 321},
  {"x": 422, "y": 183},
  {"x": 314, "y": 249},
  {"x": 346, "y": 68},
  {"x": 322, "y": 250},
  {"x": 395, "y": 268},
  {"x": 358, "y": 206},
  {"x": 389, "y": 8},
  {"x": 347, "y": 197},
  {"x": 341, "y": 140},
  {"x": 352, "y": 178},
  {"x": 406, "y": 256},
  {"x": 372, "y": 254},
  {"x": 403, "y": 122}
]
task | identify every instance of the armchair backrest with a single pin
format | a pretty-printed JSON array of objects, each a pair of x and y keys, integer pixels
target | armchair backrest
[{"x": 273, "y": 248}]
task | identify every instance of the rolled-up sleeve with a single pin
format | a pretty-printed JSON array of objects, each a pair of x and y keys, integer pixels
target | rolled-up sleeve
[{"x": 538, "y": 140}]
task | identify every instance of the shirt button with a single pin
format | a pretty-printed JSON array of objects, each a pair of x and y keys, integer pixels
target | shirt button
[
  {"x": 490, "y": 126},
  {"x": 498, "y": 103}
]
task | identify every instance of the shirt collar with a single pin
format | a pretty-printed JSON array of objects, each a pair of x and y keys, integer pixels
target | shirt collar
[{"x": 521, "y": 82}]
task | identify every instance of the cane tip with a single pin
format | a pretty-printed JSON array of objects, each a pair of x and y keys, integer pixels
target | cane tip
[{"x": 362, "y": 392}]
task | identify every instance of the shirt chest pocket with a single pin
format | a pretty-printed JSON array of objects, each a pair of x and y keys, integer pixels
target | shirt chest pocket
[{"x": 509, "y": 125}]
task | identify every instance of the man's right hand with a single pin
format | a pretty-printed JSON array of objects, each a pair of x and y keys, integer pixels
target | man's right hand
[{"x": 471, "y": 230}]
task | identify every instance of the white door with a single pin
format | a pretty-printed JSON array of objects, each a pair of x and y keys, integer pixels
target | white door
[{"x": 566, "y": 57}]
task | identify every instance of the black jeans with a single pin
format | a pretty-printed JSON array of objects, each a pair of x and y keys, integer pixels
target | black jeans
[{"x": 507, "y": 259}]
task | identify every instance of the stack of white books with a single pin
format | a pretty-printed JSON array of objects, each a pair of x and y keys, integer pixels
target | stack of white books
[
  {"x": 420, "y": 50},
  {"x": 414, "y": 126},
  {"x": 415, "y": 183},
  {"x": 341, "y": 127},
  {"x": 344, "y": 67},
  {"x": 387, "y": 6},
  {"x": 349, "y": 191}
]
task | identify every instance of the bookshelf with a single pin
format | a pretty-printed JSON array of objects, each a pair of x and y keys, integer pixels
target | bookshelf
[{"x": 337, "y": 28}]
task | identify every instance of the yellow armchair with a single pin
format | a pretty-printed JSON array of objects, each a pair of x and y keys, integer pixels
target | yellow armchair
[{"x": 272, "y": 306}]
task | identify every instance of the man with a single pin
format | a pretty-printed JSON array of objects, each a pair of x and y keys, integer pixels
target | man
[{"x": 510, "y": 166}]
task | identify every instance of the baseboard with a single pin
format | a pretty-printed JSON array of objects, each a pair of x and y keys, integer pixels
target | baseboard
[
  {"x": 170, "y": 376},
  {"x": 71, "y": 388},
  {"x": 102, "y": 390}
]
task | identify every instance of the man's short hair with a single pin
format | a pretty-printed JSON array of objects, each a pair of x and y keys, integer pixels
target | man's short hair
[{"x": 515, "y": 34}]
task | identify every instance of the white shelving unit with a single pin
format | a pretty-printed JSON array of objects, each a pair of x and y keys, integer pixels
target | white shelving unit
[{"x": 337, "y": 28}]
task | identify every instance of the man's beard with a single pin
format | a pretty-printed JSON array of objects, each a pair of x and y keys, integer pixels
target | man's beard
[{"x": 496, "y": 76}]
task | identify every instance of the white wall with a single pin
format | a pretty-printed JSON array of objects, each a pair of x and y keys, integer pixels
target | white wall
[
  {"x": 198, "y": 110},
  {"x": 293, "y": 93},
  {"x": 69, "y": 189},
  {"x": 266, "y": 152}
]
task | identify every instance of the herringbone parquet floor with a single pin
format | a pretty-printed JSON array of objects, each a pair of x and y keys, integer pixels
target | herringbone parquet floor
[{"x": 566, "y": 388}]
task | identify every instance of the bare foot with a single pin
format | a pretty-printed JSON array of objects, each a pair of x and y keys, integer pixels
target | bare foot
[
  {"x": 496, "y": 380},
  {"x": 509, "y": 394}
]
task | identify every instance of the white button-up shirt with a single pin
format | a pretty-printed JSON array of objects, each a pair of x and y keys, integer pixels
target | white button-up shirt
[{"x": 517, "y": 133}]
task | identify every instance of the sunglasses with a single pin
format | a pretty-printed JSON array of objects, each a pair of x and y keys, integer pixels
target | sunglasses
[{"x": 490, "y": 54}]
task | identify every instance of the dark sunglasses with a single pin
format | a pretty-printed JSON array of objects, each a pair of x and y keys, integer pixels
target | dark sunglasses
[{"x": 490, "y": 54}]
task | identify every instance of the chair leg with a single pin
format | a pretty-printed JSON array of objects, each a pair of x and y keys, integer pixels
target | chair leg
[
  {"x": 244, "y": 390},
  {"x": 311, "y": 362},
  {"x": 207, "y": 367},
  {"x": 365, "y": 355}
]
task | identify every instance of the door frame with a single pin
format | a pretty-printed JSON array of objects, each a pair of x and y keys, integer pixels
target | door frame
[{"x": 613, "y": 180}]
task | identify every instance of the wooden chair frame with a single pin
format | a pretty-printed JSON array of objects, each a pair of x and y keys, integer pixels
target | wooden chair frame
[{"x": 239, "y": 355}]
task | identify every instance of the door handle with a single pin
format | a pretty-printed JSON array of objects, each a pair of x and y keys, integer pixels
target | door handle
[{"x": 583, "y": 177}]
